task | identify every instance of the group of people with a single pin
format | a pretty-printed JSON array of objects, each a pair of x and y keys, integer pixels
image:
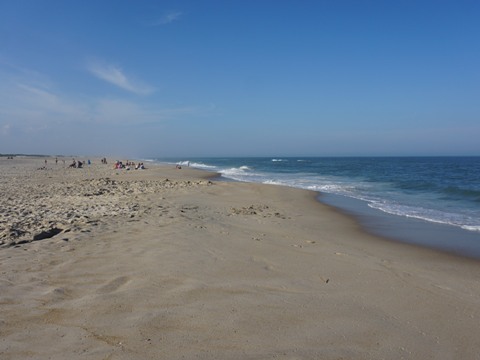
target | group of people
[
  {"x": 128, "y": 165},
  {"x": 77, "y": 164}
]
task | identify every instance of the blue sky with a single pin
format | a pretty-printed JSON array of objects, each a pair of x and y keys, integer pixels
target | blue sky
[{"x": 240, "y": 78}]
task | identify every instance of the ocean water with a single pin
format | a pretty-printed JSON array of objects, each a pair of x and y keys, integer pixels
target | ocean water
[{"x": 442, "y": 191}]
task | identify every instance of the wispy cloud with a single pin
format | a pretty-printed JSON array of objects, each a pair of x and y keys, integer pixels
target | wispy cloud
[
  {"x": 40, "y": 115},
  {"x": 32, "y": 105},
  {"x": 29, "y": 108},
  {"x": 5, "y": 129},
  {"x": 115, "y": 75},
  {"x": 40, "y": 97},
  {"x": 167, "y": 18}
]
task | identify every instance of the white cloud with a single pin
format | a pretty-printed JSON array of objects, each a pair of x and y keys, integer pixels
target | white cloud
[
  {"x": 116, "y": 76},
  {"x": 30, "y": 105},
  {"x": 168, "y": 18},
  {"x": 5, "y": 129},
  {"x": 34, "y": 105},
  {"x": 39, "y": 97}
]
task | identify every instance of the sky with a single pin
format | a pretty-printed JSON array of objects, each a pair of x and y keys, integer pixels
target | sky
[{"x": 240, "y": 78}]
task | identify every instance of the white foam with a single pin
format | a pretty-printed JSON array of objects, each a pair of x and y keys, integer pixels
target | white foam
[
  {"x": 241, "y": 173},
  {"x": 471, "y": 227},
  {"x": 430, "y": 215},
  {"x": 274, "y": 182},
  {"x": 196, "y": 165}
]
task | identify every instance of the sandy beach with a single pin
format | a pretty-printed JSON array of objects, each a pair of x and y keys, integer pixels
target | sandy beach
[{"x": 166, "y": 263}]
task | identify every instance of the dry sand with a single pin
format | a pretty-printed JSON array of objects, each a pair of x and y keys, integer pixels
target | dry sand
[{"x": 141, "y": 267}]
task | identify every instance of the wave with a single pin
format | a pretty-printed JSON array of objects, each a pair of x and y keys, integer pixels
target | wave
[
  {"x": 429, "y": 215},
  {"x": 242, "y": 173},
  {"x": 275, "y": 182},
  {"x": 279, "y": 160},
  {"x": 196, "y": 165},
  {"x": 471, "y": 227}
]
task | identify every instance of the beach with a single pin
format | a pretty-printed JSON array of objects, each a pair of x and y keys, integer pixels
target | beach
[{"x": 166, "y": 263}]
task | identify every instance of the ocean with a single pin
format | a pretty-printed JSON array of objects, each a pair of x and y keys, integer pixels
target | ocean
[{"x": 428, "y": 201}]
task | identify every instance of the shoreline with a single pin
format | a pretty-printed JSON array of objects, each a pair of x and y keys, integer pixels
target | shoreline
[
  {"x": 408, "y": 226},
  {"x": 190, "y": 268},
  {"x": 436, "y": 237},
  {"x": 395, "y": 228}
]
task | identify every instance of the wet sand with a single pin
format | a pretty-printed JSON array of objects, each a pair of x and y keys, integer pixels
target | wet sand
[
  {"x": 163, "y": 263},
  {"x": 440, "y": 237}
]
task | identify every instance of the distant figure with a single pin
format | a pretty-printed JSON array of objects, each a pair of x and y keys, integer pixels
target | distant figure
[
  {"x": 56, "y": 160},
  {"x": 89, "y": 162},
  {"x": 45, "y": 162}
]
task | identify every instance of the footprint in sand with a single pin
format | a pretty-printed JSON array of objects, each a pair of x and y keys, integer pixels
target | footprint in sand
[
  {"x": 57, "y": 294},
  {"x": 113, "y": 285}
]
